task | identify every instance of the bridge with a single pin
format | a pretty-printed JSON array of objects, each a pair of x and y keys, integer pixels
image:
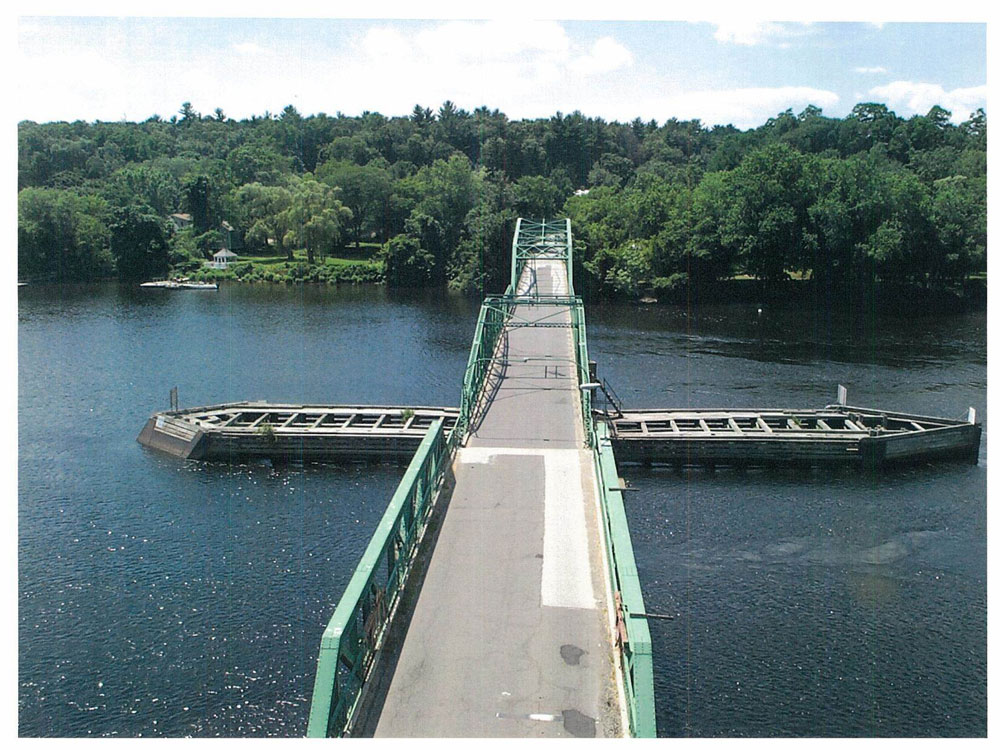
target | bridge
[
  {"x": 528, "y": 618},
  {"x": 499, "y": 595}
]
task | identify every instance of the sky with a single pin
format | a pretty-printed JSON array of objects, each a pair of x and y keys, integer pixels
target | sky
[{"x": 728, "y": 71}]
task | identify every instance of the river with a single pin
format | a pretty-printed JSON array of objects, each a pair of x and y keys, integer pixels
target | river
[{"x": 161, "y": 598}]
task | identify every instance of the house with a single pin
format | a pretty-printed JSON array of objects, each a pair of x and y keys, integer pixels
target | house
[
  {"x": 181, "y": 220},
  {"x": 233, "y": 241},
  {"x": 222, "y": 259}
]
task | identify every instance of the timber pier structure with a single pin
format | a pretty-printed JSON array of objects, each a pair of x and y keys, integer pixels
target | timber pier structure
[
  {"x": 499, "y": 596},
  {"x": 836, "y": 434}
]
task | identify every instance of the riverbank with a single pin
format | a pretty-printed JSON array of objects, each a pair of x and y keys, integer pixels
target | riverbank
[
  {"x": 969, "y": 295},
  {"x": 281, "y": 270},
  {"x": 895, "y": 299}
]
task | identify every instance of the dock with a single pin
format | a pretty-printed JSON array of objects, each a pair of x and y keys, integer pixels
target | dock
[
  {"x": 837, "y": 434},
  {"x": 249, "y": 430}
]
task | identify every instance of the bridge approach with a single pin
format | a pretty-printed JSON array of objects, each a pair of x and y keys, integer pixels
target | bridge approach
[{"x": 519, "y": 625}]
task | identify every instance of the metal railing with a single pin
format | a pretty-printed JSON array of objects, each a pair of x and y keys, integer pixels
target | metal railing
[
  {"x": 583, "y": 368},
  {"x": 632, "y": 632},
  {"x": 356, "y": 629},
  {"x": 493, "y": 315},
  {"x": 349, "y": 648},
  {"x": 551, "y": 239},
  {"x": 632, "y": 637}
]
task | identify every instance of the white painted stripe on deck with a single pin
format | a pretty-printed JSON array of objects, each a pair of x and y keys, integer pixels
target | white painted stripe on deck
[
  {"x": 566, "y": 579},
  {"x": 566, "y": 560}
]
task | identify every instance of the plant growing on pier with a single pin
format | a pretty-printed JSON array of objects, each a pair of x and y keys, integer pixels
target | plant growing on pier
[
  {"x": 406, "y": 415},
  {"x": 266, "y": 431}
]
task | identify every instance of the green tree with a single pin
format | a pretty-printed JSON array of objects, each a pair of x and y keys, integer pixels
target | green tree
[
  {"x": 261, "y": 210},
  {"x": 538, "y": 197},
  {"x": 314, "y": 219},
  {"x": 196, "y": 200},
  {"x": 407, "y": 263},
  {"x": 255, "y": 162},
  {"x": 365, "y": 189},
  {"x": 144, "y": 185},
  {"x": 139, "y": 243},
  {"x": 61, "y": 235},
  {"x": 767, "y": 221}
]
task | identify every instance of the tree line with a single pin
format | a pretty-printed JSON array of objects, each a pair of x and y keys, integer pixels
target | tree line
[{"x": 433, "y": 195}]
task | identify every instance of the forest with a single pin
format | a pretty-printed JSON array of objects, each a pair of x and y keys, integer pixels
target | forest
[{"x": 431, "y": 198}]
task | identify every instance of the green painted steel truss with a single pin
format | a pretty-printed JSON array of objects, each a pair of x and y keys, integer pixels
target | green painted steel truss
[
  {"x": 545, "y": 239},
  {"x": 354, "y": 635}
]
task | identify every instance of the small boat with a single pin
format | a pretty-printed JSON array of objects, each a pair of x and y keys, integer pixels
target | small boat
[{"x": 179, "y": 284}]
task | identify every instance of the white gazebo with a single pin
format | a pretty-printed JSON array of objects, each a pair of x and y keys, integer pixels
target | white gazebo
[{"x": 222, "y": 259}]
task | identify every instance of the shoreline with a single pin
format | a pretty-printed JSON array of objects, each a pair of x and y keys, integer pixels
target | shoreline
[{"x": 898, "y": 299}]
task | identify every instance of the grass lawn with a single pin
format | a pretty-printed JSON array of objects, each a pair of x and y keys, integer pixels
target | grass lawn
[
  {"x": 270, "y": 261},
  {"x": 279, "y": 269}
]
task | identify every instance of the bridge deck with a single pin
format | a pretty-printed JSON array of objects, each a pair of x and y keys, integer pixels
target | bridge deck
[{"x": 510, "y": 634}]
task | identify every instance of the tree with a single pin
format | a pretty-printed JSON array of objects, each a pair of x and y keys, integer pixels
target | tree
[
  {"x": 314, "y": 219},
  {"x": 188, "y": 114},
  {"x": 611, "y": 170},
  {"x": 256, "y": 162},
  {"x": 767, "y": 220},
  {"x": 957, "y": 212},
  {"x": 139, "y": 243},
  {"x": 196, "y": 200},
  {"x": 61, "y": 235},
  {"x": 145, "y": 186},
  {"x": 407, "y": 263},
  {"x": 447, "y": 191},
  {"x": 363, "y": 189},
  {"x": 261, "y": 213},
  {"x": 538, "y": 197}
]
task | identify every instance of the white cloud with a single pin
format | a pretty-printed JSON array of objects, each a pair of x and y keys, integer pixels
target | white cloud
[
  {"x": 527, "y": 69},
  {"x": 605, "y": 55},
  {"x": 249, "y": 48},
  {"x": 912, "y": 97},
  {"x": 751, "y": 33},
  {"x": 874, "y": 69},
  {"x": 744, "y": 107}
]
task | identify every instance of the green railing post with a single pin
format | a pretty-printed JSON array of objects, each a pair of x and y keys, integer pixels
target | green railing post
[
  {"x": 637, "y": 653},
  {"x": 569, "y": 258},
  {"x": 369, "y": 600},
  {"x": 347, "y": 654}
]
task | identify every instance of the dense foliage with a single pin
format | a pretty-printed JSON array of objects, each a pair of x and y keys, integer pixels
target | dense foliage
[{"x": 432, "y": 196}]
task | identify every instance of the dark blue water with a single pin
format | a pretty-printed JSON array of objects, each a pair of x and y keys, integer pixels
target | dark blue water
[
  {"x": 163, "y": 598},
  {"x": 158, "y": 597},
  {"x": 808, "y": 603}
]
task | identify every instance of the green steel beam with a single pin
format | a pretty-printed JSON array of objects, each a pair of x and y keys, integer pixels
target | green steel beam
[
  {"x": 541, "y": 239},
  {"x": 358, "y": 624},
  {"x": 635, "y": 649},
  {"x": 349, "y": 642}
]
